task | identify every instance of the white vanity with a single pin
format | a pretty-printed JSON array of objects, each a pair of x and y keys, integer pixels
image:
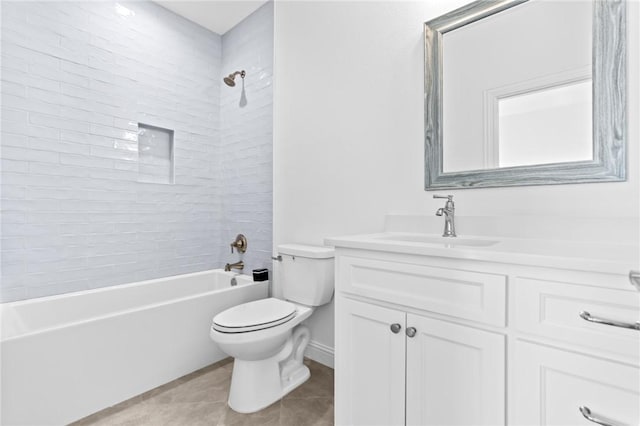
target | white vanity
[{"x": 484, "y": 331}]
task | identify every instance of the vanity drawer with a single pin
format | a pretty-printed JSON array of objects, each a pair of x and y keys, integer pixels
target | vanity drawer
[
  {"x": 552, "y": 309},
  {"x": 465, "y": 294},
  {"x": 553, "y": 384}
]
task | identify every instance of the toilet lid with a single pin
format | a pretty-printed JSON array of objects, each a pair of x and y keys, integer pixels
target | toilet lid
[{"x": 253, "y": 316}]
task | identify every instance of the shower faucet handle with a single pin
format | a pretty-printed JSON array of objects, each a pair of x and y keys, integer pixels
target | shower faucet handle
[{"x": 240, "y": 243}]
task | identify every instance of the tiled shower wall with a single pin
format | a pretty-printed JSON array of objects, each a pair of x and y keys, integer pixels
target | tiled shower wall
[
  {"x": 77, "y": 77},
  {"x": 247, "y": 133}
]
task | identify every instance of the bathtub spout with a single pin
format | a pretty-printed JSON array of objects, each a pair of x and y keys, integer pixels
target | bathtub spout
[{"x": 238, "y": 265}]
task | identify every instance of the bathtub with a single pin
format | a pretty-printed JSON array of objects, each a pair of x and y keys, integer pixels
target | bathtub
[{"x": 65, "y": 357}]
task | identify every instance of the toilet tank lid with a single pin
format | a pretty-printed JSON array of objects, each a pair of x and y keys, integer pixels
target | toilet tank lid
[{"x": 303, "y": 250}]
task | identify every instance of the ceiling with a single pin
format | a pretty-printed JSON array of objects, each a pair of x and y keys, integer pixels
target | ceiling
[{"x": 218, "y": 16}]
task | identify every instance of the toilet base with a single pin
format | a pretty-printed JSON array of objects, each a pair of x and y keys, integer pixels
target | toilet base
[{"x": 257, "y": 384}]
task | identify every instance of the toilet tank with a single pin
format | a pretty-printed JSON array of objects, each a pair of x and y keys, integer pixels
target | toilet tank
[{"x": 307, "y": 273}]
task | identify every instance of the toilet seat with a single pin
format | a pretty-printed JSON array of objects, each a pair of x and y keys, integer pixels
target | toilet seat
[{"x": 254, "y": 316}]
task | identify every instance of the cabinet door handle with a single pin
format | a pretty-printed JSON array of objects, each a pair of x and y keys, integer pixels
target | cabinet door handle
[
  {"x": 587, "y": 317},
  {"x": 395, "y": 328},
  {"x": 411, "y": 331},
  {"x": 634, "y": 278},
  {"x": 586, "y": 413}
]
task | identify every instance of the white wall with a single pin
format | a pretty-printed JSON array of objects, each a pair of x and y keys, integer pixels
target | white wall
[{"x": 348, "y": 129}]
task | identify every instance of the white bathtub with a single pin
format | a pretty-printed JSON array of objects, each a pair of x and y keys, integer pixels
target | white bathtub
[{"x": 65, "y": 357}]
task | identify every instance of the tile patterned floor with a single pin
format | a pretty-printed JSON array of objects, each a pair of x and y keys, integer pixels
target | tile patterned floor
[{"x": 200, "y": 398}]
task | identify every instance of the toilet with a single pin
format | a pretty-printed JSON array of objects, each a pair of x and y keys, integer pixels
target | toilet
[{"x": 265, "y": 337}]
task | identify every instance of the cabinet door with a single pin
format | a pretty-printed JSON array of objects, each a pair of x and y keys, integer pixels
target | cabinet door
[
  {"x": 370, "y": 365},
  {"x": 455, "y": 374},
  {"x": 552, "y": 384}
]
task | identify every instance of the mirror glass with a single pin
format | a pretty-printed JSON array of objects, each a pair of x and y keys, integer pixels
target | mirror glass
[
  {"x": 525, "y": 88},
  {"x": 510, "y": 89}
]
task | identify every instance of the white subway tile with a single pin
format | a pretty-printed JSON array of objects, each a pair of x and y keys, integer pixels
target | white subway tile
[
  {"x": 12, "y": 244},
  {"x": 57, "y": 170},
  {"x": 91, "y": 229},
  {"x": 12, "y": 291},
  {"x": 50, "y": 96},
  {"x": 86, "y": 78},
  {"x": 115, "y": 153},
  {"x": 111, "y": 195},
  {"x": 61, "y": 241},
  {"x": 58, "y": 288},
  {"x": 112, "y": 259},
  {"x": 44, "y": 193},
  {"x": 58, "y": 123},
  {"x": 85, "y": 161},
  {"x": 10, "y": 88},
  {"x": 25, "y": 154},
  {"x": 25, "y": 230},
  {"x": 57, "y": 146},
  {"x": 13, "y": 217},
  {"x": 14, "y": 166},
  {"x": 77, "y": 137},
  {"x": 114, "y": 174},
  {"x": 54, "y": 265},
  {"x": 56, "y": 217}
]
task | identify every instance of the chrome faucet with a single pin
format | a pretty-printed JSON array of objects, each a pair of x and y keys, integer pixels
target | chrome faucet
[
  {"x": 448, "y": 211},
  {"x": 238, "y": 265}
]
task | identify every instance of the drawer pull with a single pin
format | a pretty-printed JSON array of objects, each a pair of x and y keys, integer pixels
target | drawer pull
[
  {"x": 586, "y": 413},
  {"x": 587, "y": 317},
  {"x": 395, "y": 328}
]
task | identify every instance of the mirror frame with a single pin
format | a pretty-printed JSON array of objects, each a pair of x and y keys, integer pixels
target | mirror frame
[{"x": 609, "y": 105}]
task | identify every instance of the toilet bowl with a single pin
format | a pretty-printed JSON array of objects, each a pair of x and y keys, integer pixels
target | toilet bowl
[
  {"x": 266, "y": 338},
  {"x": 259, "y": 349}
]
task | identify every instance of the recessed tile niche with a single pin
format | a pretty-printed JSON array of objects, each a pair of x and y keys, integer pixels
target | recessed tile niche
[{"x": 155, "y": 154}]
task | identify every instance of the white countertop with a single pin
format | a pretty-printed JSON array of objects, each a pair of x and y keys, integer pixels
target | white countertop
[{"x": 574, "y": 255}]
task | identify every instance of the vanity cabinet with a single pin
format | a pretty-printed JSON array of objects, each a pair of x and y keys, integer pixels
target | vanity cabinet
[
  {"x": 403, "y": 366},
  {"x": 430, "y": 340},
  {"x": 406, "y": 366}
]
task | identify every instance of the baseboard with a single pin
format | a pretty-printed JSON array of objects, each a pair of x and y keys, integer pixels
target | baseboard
[{"x": 320, "y": 353}]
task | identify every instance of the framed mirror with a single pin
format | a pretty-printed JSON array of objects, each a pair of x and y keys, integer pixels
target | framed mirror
[{"x": 525, "y": 92}]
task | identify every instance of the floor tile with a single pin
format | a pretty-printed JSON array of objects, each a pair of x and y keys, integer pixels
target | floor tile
[
  {"x": 200, "y": 398},
  {"x": 266, "y": 416},
  {"x": 306, "y": 412},
  {"x": 319, "y": 385}
]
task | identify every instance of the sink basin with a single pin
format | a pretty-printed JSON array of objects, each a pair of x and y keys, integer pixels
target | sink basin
[{"x": 431, "y": 239}]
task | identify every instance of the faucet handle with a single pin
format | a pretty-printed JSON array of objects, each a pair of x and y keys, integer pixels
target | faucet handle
[
  {"x": 240, "y": 243},
  {"x": 449, "y": 197}
]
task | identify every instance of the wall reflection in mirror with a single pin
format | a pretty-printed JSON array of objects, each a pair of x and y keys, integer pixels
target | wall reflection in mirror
[
  {"x": 552, "y": 125},
  {"x": 511, "y": 85},
  {"x": 517, "y": 89}
]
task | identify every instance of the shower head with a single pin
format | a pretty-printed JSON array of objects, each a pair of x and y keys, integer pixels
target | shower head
[{"x": 230, "y": 79}]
